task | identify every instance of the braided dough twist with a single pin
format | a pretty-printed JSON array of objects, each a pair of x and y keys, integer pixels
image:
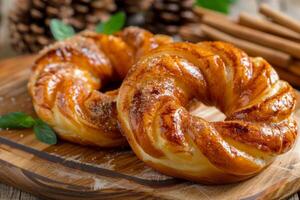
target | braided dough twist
[
  {"x": 258, "y": 106},
  {"x": 67, "y": 77}
]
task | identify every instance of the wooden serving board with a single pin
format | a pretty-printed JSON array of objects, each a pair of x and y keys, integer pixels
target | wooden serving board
[{"x": 68, "y": 171}]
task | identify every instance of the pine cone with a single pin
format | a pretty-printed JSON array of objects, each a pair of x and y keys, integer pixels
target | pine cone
[
  {"x": 86, "y": 13},
  {"x": 166, "y": 16},
  {"x": 134, "y": 10},
  {"x": 131, "y": 7},
  {"x": 30, "y": 19}
]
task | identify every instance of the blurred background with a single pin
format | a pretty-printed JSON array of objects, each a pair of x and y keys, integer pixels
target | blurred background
[
  {"x": 24, "y": 24},
  {"x": 259, "y": 30}
]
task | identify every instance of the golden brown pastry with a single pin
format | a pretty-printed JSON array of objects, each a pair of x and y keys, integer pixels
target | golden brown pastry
[
  {"x": 258, "y": 106},
  {"x": 68, "y": 75}
]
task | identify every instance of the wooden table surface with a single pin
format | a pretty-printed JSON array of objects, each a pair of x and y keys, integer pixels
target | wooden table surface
[{"x": 289, "y": 6}]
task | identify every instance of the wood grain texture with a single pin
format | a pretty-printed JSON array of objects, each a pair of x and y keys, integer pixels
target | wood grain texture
[
  {"x": 294, "y": 197},
  {"x": 67, "y": 171},
  {"x": 10, "y": 193}
]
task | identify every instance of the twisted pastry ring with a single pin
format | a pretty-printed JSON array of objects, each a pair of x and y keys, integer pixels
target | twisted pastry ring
[
  {"x": 258, "y": 106},
  {"x": 67, "y": 77}
]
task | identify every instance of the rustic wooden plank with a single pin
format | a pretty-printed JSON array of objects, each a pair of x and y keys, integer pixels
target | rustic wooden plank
[
  {"x": 294, "y": 197},
  {"x": 8, "y": 192},
  {"x": 26, "y": 196}
]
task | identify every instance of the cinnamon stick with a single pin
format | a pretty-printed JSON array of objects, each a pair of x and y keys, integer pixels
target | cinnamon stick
[
  {"x": 266, "y": 39},
  {"x": 295, "y": 68},
  {"x": 288, "y": 76},
  {"x": 280, "y": 17},
  {"x": 201, "y": 12},
  {"x": 275, "y": 57},
  {"x": 191, "y": 33},
  {"x": 267, "y": 26}
]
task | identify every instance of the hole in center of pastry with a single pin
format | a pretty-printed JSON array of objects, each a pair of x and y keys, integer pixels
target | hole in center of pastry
[
  {"x": 209, "y": 113},
  {"x": 110, "y": 86}
]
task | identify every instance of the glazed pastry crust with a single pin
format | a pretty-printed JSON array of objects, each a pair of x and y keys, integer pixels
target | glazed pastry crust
[
  {"x": 67, "y": 77},
  {"x": 152, "y": 111}
]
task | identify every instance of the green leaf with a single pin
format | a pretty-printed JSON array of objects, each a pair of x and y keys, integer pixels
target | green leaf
[
  {"x": 44, "y": 132},
  {"x": 232, "y": 1},
  {"x": 114, "y": 24},
  {"x": 16, "y": 120},
  {"x": 60, "y": 30},
  {"x": 217, "y": 5}
]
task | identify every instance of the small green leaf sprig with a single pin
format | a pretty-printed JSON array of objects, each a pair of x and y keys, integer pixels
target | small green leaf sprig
[
  {"x": 217, "y": 5},
  {"x": 20, "y": 120},
  {"x": 62, "y": 31},
  {"x": 114, "y": 24}
]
